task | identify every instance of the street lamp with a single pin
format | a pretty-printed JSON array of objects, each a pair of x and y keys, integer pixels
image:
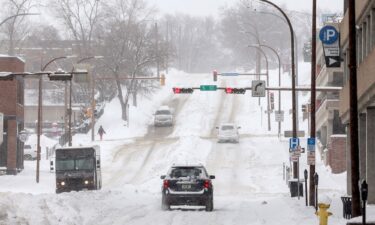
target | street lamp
[
  {"x": 92, "y": 101},
  {"x": 268, "y": 93},
  {"x": 256, "y": 36},
  {"x": 20, "y": 14},
  {"x": 39, "y": 130},
  {"x": 296, "y": 60},
  {"x": 278, "y": 58},
  {"x": 295, "y": 169}
]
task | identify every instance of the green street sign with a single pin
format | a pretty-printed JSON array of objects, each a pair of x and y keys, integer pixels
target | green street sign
[{"x": 208, "y": 87}]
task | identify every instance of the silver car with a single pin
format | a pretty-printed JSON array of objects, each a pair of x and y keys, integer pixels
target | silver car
[{"x": 163, "y": 117}]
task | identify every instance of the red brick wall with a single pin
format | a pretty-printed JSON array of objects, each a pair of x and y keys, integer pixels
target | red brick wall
[
  {"x": 10, "y": 107},
  {"x": 337, "y": 153}
]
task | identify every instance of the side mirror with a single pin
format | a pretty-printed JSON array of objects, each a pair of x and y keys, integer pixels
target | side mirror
[
  {"x": 162, "y": 177},
  {"x": 238, "y": 127},
  {"x": 98, "y": 163},
  {"x": 217, "y": 127},
  {"x": 212, "y": 177}
]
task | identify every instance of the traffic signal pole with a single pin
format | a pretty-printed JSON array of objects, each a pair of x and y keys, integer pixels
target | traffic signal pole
[
  {"x": 353, "y": 121},
  {"x": 260, "y": 50},
  {"x": 294, "y": 111},
  {"x": 313, "y": 100}
]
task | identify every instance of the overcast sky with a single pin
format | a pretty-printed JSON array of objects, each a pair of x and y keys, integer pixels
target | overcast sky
[{"x": 210, "y": 7}]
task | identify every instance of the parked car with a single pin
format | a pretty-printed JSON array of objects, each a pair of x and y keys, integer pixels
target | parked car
[
  {"x": 228, "y": 132},
  {"x": 29, "y": 153},
  {"x": 187, "y": 185},
  {"x": 163, "y": 116}
]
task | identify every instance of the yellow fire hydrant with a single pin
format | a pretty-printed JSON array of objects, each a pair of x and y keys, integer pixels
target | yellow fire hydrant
[{"x": 323, "y": 213}]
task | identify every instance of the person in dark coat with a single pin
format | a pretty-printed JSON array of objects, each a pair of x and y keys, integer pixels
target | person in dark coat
[{"x": 101, "y": 132}]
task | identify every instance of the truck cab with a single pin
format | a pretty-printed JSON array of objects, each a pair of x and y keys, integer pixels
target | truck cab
[{"x": 77, "y": 168}]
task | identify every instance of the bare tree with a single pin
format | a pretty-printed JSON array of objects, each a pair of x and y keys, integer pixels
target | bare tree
[
  {"x": 192, "y": 41},
  {"x": 16, "y": 28},
  {"x": 81, "y": 18},
  {"x": 127, "y": 46}
]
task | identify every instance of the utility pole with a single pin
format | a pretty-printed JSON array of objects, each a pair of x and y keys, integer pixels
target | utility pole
[
  {"x": 179, "y": 47},
  {"x": 313, "y": 100},
  {"x": 39, "y": 130},
  {"x": 66, "y": 111},
  {"x": 295, "y": 164},
  {"x": 354, "y": 145},
  {"x": 70, "y": 112},
  {"x": 157, "y": 50},
  {"x": 278, "y": 59},
  {"x": 167, "y": 53}
]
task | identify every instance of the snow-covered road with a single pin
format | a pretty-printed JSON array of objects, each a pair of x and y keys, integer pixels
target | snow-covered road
[{"x": 248, "y": 189}]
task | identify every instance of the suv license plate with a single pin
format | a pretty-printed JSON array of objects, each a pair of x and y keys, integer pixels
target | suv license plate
[{"x": 186, "y": 186}]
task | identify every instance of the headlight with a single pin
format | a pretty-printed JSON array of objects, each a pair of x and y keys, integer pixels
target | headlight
[
  {"x": 62, "y": 183},
  {"x": 86, "y": 182}
]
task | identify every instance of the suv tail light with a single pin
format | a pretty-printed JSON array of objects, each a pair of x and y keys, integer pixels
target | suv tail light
[
  {"x": 166, "y": 184},
  {"x": 207, "y": 184}
]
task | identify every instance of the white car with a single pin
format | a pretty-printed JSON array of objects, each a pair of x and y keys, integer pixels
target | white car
[
  {"x": 228, "y": 132},
  {"x": 163, "y": 116},
  {"x": 29, "y": 153}
]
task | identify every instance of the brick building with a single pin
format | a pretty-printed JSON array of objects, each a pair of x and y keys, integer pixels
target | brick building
[{"x": 11, "y": 104}]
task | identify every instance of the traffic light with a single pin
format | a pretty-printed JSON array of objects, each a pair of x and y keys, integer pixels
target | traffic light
[
  {"x": 182, "y": 90},
  {"x": 162, "y": 80},
  {"x": 215, "y": 75},
  {"x": 272, "y": 100},
  {"x": 304, "y": 108},
  {"x": 88, "y": 113},
  {"x": 230, "y": 90}
]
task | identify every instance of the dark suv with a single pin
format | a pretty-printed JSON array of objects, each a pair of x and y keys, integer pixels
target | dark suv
[{"x": 187, "y": 185}]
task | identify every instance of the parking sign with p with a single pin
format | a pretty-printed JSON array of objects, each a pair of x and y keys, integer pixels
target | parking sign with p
[{"x": 328, "y": 35}]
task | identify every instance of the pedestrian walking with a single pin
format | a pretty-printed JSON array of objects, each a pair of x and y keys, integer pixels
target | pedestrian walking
[{"x": 101, "y": 132}]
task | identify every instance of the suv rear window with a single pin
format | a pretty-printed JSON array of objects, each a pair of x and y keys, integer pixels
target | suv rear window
[
  {"x": 27, "y": 147},
  {"x": 178, "y": 172},
  {"x": 163, "y": 112}
]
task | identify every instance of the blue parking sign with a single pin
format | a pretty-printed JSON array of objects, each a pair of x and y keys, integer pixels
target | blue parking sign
[
  {"x": 311, "y": 144},
  {"x": 328, "y": 35},
  {"x": 293, "y": 143}
]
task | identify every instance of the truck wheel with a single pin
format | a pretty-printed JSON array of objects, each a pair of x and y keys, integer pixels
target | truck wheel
[
  {"x": 210, "y": 205},
  {"x": 164, "y": 204}
]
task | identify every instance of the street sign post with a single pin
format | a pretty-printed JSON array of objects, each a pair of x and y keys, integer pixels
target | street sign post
[
  {"x": 293, "y": 143},
  {"x": 330, "y": 38},
  {"x": 229, "y": 74},
  {"x": 310, "y": 158},
  {"x": 311, "y": 144},
  {"x": 294, "y": 157},
  {"x": 328, "y": 35},
  {"x": 279, "y": 116},
  {"x": 289, "y": 133},
  {"x": 1, "y": 127},
  {"x": 208, "y": 87},
  {"x": 258, "y": 88}
]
